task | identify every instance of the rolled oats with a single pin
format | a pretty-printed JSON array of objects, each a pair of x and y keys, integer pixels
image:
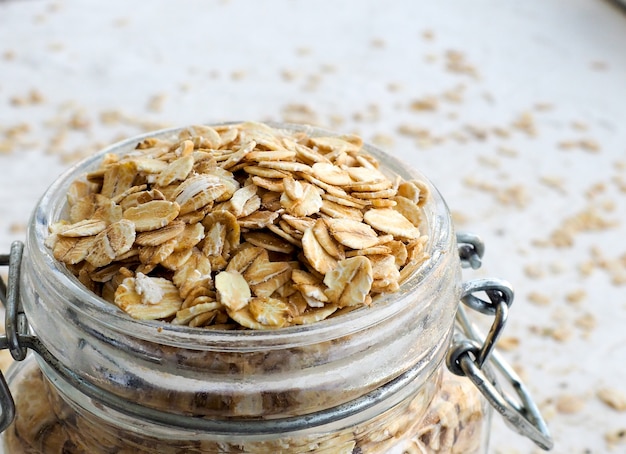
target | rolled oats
[
  {"x": 152, "y": 215},
  {"x": 241, "y": 225},
  {"x": 352, "y": 234},
  {"x": 114, "y": 241},
  {"x": 139, "y": 302},
  {"x": 86, "y": 227},
  {"x": 392, "y": 222},
  {"x": 315, "y": 253},
  {"x": 271, "y": 312},
  {"x": 160, "y": 236},
  {"x": 350, "y": 282},
  {"x": 233, "y": 290}
]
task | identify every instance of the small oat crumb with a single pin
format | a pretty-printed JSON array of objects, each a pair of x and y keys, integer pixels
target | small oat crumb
[
  {"x": 508, "y": 343},
  {"x": 569, "y": 404},
  {"x": 579, "y": 125},
  {"x": 430, "y": 58},
  {"x": 586, "y": 322},
  {"x": 590, "y": 145},
  {"x": 553, "y": 182},
  {"x": 547, "y": 409},
  {"x": 288, "y": 75},
  {"x": 238, "y": 75},
  {"x": 17, "y": 227},
  {"x": 413, "y": 131},
  {"x": 477, "y": 132},
  {"x": 539, "y": 299},
  {"x": 79, "y": 121},
  {"x": 598, "y": 65},
  {"x": 561, "y": 333},
  {"x": 456, "y": 62},
  {"x": 525, "y": 123},
  {"x": 383, "y": 140},
  {"x": 615, "y": 436},
  {"x": 9, "y": 55},
  {"x": 506, "y": 151},
  {"x": 454, "y": 94},
  {"x": 428, "y": 35},
  {"x": 488, "y": 97},
  {"x": 312, "y": 82},
  {"x": 586, "y": 268},
  {"x": 378, "y": 43},
  {"x": 120, "y": 22},
  {"x": 427, "y": 103},
  {"x": 488, "y": 161},
  {"x": 299, "y": 113},
  {"x": 370, "y": 114},
  {"x": 394, "y": 87},
  {"x": 155, "y": 103},
  {"x": 54, "y": 7},
  {"x": 620, "y": 182},
  {"x": 567, "y": 144},
  {"x": 56, "y": 47},
  {"x": 336, "y": 120},
  {"x": 459, "y": 218},
  {"x": 6, "y": 146},
  {"x": 480, "y": 184},
  {"x": 302, "y": 51},
  {"x": 543, "y": 106},
  {"x": 614, "y": 398},
  {"x": 576, "y": 296},
  {"x": 502, "y": 133},
  {"x": 515, "y": 195},
  {"x": 35, "y": 97},
  {"x": 111, "y": 117},
  {"x": 557, "y": 267}
]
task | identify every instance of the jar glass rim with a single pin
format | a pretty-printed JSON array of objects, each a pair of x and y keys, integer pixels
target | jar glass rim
[{"x": 52, "y": 203}]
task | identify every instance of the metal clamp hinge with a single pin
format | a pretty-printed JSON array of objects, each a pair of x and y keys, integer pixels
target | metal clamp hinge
[
  {"x": 473, "y": 355},
  {"x": 15, "y": 325},
  {"x": 471, "y": 249}
]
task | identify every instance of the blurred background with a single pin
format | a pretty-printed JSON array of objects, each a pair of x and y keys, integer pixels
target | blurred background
[{"x": 515, "y": 110}]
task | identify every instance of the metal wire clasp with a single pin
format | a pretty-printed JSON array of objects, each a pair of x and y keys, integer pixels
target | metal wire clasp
[
  {"x": 473, "y": 355},
  {"x": 15, "y": 325}
]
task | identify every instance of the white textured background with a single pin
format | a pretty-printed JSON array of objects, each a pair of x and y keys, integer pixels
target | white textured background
[{"x": 515, "y": 110}]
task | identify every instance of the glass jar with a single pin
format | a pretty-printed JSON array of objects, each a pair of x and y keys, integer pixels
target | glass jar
[{"x": 370, "y": 381}]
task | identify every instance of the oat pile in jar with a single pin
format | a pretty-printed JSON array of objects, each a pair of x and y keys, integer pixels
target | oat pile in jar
[{"x": 251, "y": 288}]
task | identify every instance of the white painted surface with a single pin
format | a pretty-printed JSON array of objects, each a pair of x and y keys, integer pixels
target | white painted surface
[{"x": 224, "y": 60}]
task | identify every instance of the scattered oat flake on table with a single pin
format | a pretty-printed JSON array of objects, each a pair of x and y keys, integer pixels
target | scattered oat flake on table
[
  {"x": 613, "y": 397},
  {"x": 539, "y": 299},
  {"x": 617, "y": 436},
  {"x": 569, "y": 403}
]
